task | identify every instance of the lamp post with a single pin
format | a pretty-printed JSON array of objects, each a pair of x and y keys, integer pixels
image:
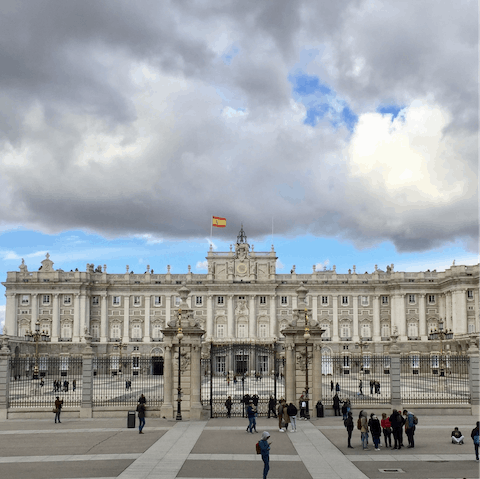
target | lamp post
[
  {"x": 179, "y": 388},
  {"x": 36, "y": 336},
  {"x": 361, "y": 344},
  {"x": 441, "y": 335},
  {"x": 306, "y": 335}
]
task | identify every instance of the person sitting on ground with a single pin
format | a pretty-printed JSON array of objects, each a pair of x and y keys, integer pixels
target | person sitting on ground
[{"x": 457, "y": 436}]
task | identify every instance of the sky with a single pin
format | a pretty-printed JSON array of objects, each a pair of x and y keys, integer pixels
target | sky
[{"x": 124, "y": 126}]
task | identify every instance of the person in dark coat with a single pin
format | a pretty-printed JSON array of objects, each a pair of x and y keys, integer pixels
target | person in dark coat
[
  {"x": 349, "y": 425},
  {"x": 376, "y": 430},
  {"x": 251, "y": 418},
  {"x": 292, "y": 414},
  {"x": 331, "y": 386},
  {"x": 396, "y": 420},
  {"x": 228, "y": 405},
  {"x": 337, "y": 388},
  {"x": 336, "y": 405},
  {"x": 475, "y": 437},
  {"x": 58, "y": 407},
  {"x": 265, "y": 452},
  {"x": 271, "y": 407},
  {"x": 142, "y": 399},
  {"x": 141, "y": 417}
]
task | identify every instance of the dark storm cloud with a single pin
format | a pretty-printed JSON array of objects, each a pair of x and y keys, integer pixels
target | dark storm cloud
[{"x": 111, "y": 117}]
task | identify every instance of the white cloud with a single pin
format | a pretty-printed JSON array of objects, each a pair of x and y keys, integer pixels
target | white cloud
[
  {"x": 150, "y": 239},
  {"x": 202, "y": 265},
  {"x": 11, "y": 255},
  {"x": 279, "y": 264},
  {"x": 322, "y": 266},
  {"x": 212, "y": 244}
]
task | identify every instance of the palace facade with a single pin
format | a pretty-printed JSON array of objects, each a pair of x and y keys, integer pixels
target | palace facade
[{"x": 242, "y": 298}]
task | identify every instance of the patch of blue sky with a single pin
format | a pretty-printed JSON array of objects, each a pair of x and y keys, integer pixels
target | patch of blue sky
[
  {"x": 392, "y": 109},
  {"x": 230, "y": 54},
  {"x": 321, "y": 102}
]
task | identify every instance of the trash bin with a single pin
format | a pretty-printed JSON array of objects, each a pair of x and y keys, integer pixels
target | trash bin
[
  {"x": 131, "y": 419},
  {"x": 319, "y": 407}
]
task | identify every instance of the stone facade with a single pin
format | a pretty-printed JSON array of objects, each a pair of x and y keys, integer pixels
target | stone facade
[{"x": 241, "y": 298}]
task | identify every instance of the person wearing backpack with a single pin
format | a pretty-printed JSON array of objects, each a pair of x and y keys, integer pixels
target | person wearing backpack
[
  {"x": 364, "y": 429},
  {"x": 409, "y": 427},
  {"x": 349, "y": 426},
  {"x": 376, "y": 430},
  {"x": 265, "y": 452},
  {"x": 397, "y": 421},
  {"x": 476, "y": 438}
]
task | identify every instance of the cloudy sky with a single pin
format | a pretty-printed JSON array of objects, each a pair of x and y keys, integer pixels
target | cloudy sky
[{"x": 124, "y": 126}]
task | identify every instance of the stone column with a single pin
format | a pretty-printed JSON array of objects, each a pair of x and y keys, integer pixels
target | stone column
[
  {"x": 76, "y": 317},
  {"x": 195, "y": 384},
  {"x": 448, "y": 310},
  {"x": 474, "y": 378},
  {"x": 88, "y": 301},
  {"x": 401, "y": 317},
  {"x": 273, "y": 317},
  {"x": 104, "y": 318},
  {"x": 126, "y": 319},
  {"x": 4, "y": 380},
  {"x": 395, "y": 369},
  {"x": 168, "y": 308},
  {"x": 460, "y": 312},
  {"x": 290, "y": 372},
  {"x": 477, "y": 315},
  {"x": 314, "y": 304},
  {"x": 55, "y": 319},
  {"x": 377, "y": 334},
  {"x": 356, "y": 336},
  {"x": 34, "y": 311},
  {"x": 87, "y": 381},
  {"x": 11, "y": 314},
  {"x": 230, "y": 318},
  {"x": 210, "y": 325},
  {"x": 422, "y": 318},
  {"x": 335, "y": 336},
  {"x": 167, "y": 407},
  {"x": 252, "y": 330},
  {"x": 442, "y": 307},
  {"x": 146, "y": 332},
  {"x": 83, "y": 312},
  {"x": 316, "y": 376}
]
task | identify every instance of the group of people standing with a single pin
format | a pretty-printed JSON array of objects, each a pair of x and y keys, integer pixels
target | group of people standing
[{"x": 389, "y": 426}]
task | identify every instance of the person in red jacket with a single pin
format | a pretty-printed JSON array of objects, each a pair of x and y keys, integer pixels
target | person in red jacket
[{"x": 387, "y": 430}]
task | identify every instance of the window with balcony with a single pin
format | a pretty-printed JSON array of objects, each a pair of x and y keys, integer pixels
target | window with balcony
[
  {"x": 115, "y": 331},
  {"x": 262, "y": 331},
  {"x": 242, "y": 331},
  {"x": 220, "y": 331}
]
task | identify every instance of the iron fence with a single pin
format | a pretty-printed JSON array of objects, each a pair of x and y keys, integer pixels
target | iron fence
[
  {"x": 120, "y": 382},
  {"x": 359, "y": 379},
  {"x": 243, "y": 373},
  {"x": 58, "y": 376},
  {"x": 435, "y": 379}
]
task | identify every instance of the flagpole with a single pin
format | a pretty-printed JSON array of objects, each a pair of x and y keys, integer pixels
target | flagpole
[
  {"x": 211, "y": 229},
  {"x": 272, "y": 230}
]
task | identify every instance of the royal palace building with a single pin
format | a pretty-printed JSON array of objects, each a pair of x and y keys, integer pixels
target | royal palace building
[{"x": 241, "y": 298}]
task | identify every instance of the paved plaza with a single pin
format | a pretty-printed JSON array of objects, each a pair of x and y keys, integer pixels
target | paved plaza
[{"x": 221, "y": 448}]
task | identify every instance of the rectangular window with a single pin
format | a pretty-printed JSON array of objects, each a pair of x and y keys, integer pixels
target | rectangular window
[
  {"x": 324, "y": 299},
  {"x": 136, "y": 362},
  {"x": 414, "y": 362},
  {"x": 470, "y": 293},
  {"x": 25, "y": 299},
  {"x": 263, "y": 364},
  {"x": 344, "y": 299},
  {"x": 220, "y": 330},
  {"x": 220, "y": 364},
  {"x": 385, "y": 330},
  {"x": 262, "y": 331},
  {"x": 198, "y": 300},
  {"x": 116, "y": 300},
  {"x": 345, "y": 331},
  {"x": 220, "y": 300},
  {"x": 431, "y": 298},
  {"x": 364, "y": 300},
  {"x": 136, "y": 300},
  {"x": 46, "y": 299},
  {"x": 66, "y": 331},
  {"x": 241, "y": 298},
  {"x": 471, "y": 327},
  {"x": 67, "y": 300},
  {"x": 434, "y": 360},
  {"x": 242, "y": 331},
  {"x": 177, "y": 300},
  {"x": 411, "y": 298},
  {"x": 263, "y": 300},
  {"x": 367, "y": 361},
  {"x": 384, "y": 299},
  {"x": 94, "y": 300},
  {"x": 158, "y": 300},
  {"x": 366, "y": 331},
  {"x": 136, "y": 331},
  {"x": 157, "y": 331},
  {"x": 284, "y": 300},
  {"x": 326, "y": 328},
  {"x": 346, "y": 361},
  {"x": 95, "y": 331}
]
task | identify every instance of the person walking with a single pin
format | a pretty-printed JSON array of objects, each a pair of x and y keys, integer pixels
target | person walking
[
  {"x": 331, "y": 385},
  {"x": 337, "y": 388},
  {"x": 58, "y": 409},
  {"x": 360, "y": 387},
  {"x": 476, "y": 438},
  {"x": 228, "y": 405},
  {"x": 271, "y": 407},
  {"x": 364, "y": 429},
  {"x": 344, "y": 410},
  {"x": 141, "y": 417},
  {"x": 265, "y": 452},
  {"x": 292, "y": 414},
  {"x": 387, "y": 430},
  {"x": 303, "y": 407},
  {"x": 336, "y": 404},
  {"x": 409, "y": 428},
  {"x": 349, "y": 425},
  {"x": 280, "y": 415},
  {"x": 376, "y": 431},
  {"x": 251, "y": 418}
]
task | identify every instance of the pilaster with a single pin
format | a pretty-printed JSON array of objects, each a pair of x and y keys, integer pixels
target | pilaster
[
  {"x": 4, "y": 379},
  {"x": 356, "y": 336},
  {"x": 76, "y": 318},
  {"x": 210, "y": 325},
  {"x": 34, "y": 311},
  {"x": 55, "y": 318},
  {"x": 273, "y": 317},
  {"x": 146, "y": 332},
  {"x": 251, "y": 317},
  {"x": 376, "y": 318},
  {"x": 230, "y": 318},
  {"x": 11, "y": 327},
  {"x": 335, "y": 336},
  {"x": 474, "y": 378},
  {"x": 422, "y": 317},
  {"x": 126, "y": 319},
  {"x": 104, "y": 318}
]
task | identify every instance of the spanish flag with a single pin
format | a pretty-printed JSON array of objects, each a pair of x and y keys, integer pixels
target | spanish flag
[{"x": 219, "y": 222}]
